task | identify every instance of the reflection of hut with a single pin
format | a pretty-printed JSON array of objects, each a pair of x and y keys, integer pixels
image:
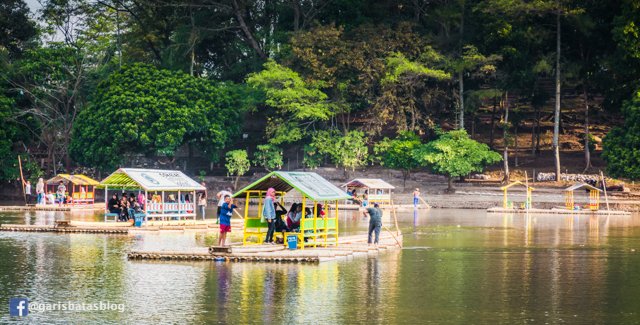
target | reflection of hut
[
  {"x": 80, "y": 188},
  {"x": 378, "y": 191},
  {"x": 154, "y": 181},
  {"x": 594, "y": 196},
  {"x": 505, "y": 190},
  {"x": 315, "y": 229}
]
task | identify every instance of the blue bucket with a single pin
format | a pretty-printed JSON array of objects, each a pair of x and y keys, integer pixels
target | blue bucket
[
  {"x": 292, "y": 241},
  {"x": 138, "y": 220}
]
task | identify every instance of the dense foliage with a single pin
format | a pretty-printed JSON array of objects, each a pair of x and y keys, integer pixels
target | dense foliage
[
  {"x": 98, "y": 81},
  {"x": 454, "y": 154},
  {"x": 141, "y": 109},
  {"x": 622, "y": 144}
]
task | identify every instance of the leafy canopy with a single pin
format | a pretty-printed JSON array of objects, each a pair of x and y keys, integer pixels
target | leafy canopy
[
  {"x": 142, "y": 109},
  {"x": 454, "y": 154},
  {"x": 398, "y": 153},
  {"x": 237, "y": 162},
  {"x": 621, "y": 146},
  {"x": 268, "y": 156},
  {"x": 347, "y": 150}
]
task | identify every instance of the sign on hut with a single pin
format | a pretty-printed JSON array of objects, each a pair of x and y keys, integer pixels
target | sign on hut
[
  {"x": 375, "y": 189},
  {"x": 318, "y": 225},
  {"x": 594, "y": 196},
  {"x": 168, "y": 194},
  {"x": 81, "y": 189}
]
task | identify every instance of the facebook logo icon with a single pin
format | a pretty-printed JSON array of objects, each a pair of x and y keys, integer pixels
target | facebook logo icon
[{"x": 19, "y": 307}]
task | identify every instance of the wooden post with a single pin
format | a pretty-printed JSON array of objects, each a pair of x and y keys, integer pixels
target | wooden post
[
  {"x": 604, "y": 187},
  {"x": 24, "y": 194}
]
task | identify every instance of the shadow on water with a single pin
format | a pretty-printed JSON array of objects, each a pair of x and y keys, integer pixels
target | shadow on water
[{"x": 458, "y": 266}]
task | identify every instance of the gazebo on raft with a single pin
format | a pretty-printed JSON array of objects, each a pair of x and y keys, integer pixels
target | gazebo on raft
[
  {"x": 505, "y": 195},
  {"x": 378, "y": 190},
  {"x": 81, "y": 188},
  {"x": 154, "y": 181},
  {"x": 594, "y": 196},
  {"x": 317, "y": 230}
]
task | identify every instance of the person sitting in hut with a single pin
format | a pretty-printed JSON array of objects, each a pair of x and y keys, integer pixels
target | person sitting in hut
[
  {"x": 61, "y": 193},
  {"x": 124, "y": 208},
  {"x": 114, "y": 204},
  {"x": 294, "y": 216},
  {"x": 172, "y": 199},
  {"x": 281, "y": 225},
  {"x": 132, "y": 203}
]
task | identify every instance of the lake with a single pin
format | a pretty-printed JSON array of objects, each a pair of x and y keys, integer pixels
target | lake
[{"x": 457, "y": 266}]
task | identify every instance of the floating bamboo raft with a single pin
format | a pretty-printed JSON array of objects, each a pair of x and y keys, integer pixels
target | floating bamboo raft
[
  {"x": 121, "y": 228},
  {"x": 560, "y": 211},
  {"x": 348, "y": 247},
  {"x": 53, "y": 207}
]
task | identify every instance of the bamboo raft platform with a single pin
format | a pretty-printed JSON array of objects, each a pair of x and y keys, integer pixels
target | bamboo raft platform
[
  {"x": 119, "y": 228},
  {"x": 52, "y": 207},
  {"x": 560, "y": 211},
  {"x": 349, "y": 246}
]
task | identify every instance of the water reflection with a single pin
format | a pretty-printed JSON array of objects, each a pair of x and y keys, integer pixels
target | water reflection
[{"x": 458, "y": 266}]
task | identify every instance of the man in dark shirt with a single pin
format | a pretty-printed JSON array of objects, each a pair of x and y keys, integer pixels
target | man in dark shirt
[{"x": 375, "y": 222}]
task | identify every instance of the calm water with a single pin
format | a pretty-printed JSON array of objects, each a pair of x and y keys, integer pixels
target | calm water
[{"x": 458, "y": 266}]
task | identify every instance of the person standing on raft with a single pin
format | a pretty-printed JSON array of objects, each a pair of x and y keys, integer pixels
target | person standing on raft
[
  {"x": 269, "y": 214},
  {"x": 416, "y": 197},
  {"x": 375, "y": 223},
  {"x": 226, "y": 211}
]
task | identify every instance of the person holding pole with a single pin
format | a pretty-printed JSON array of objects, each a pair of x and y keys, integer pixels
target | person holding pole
[
  {"x": 416, "y": 197},
  {"x": 375, "y": 223}
]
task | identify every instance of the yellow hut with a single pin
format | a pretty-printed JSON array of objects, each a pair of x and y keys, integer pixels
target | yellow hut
[
  {"x": 81, "y": 189},
  {"x": 594, "y": 196},
  {"x": 505, "y": 190},
  {"x": 316, "y": 229}
]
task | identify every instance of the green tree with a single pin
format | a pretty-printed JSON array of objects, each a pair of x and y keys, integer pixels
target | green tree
[
  {"x": 268, "y": 156},
  {"x": 398, "y": 153},
  {"x": 348, "y": 151},
  {"x": 297, "y": 104},
  {"x": 144, "y": 110},
  {"x": 454, "y": 154},
  {"x": 237, "y": 163},
  {"x": 621, "y": 146}
]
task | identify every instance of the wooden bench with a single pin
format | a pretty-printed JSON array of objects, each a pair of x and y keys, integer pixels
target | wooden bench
[
  {"x": 111, "y": 215},
  {"x": 254, "y": 227}
]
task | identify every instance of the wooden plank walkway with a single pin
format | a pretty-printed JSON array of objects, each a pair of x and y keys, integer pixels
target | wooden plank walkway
[
  {"x": 560, "y": 211},
  {"x": 348, "y": 247}
]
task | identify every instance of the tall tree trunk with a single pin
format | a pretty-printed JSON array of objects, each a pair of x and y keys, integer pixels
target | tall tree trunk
[
  {"x": 534, "y": 124},
  {"x": 538, "y": 130},
  {"x": 505, "y": 152},
  {"x": 556, "y": 119},
  {"x": 296, "y": 15},
  {"x": 493, "y": 124},
  {"x": 245, "y": 29},
  {"x": 515, "y": 145},
  {"x": 461, "y": 84},
  {"x": 450, "y": 188},
  {"x": 587, "y": 153}
]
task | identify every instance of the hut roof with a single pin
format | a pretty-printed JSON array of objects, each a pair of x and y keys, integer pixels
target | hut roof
[
  {"x": 311, "y": 185},
  {"x": 77, "y": 179},
  {"x": 514, "y": 184},
  {"x": 581, "y": 185},
  {"x": 369, "y": 183},
  {"x": 151, "y": 180}
]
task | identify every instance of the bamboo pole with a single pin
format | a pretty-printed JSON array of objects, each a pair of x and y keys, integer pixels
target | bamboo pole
[
  {"x": 395, "y": 216},
  {"x": 392, "y": 235},
  {"x": 604, "y": 187},
  {"x": 24, "y": 194}
]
